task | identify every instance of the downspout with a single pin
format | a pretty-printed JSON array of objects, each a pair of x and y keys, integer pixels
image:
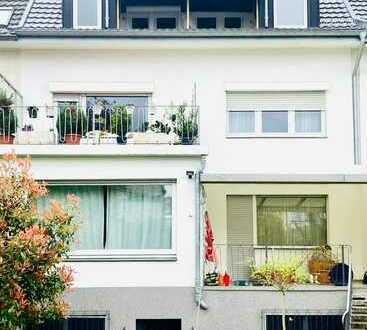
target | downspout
[
  {"x": 356, "y": 100},
  {"x": 266, "y": 13},
  {"x": 199, "y": 245}
]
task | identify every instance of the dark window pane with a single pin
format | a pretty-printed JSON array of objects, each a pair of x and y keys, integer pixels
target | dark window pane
[
  {"x": 166, "y": 23},
  {"x": 73, "y": 323},
  {"x": 232, "y": 22},
  {"x": 140, "y": 23},
  {"x": 305, "y": 322},
  {"x": 206, "y": 23},
  {"x": 275, "y": 121},
  {"x": 158, "y": 324}
]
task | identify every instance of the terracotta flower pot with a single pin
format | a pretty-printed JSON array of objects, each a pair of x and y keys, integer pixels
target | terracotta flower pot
[
  {"x": 323, "y": 277},
  {"x": 6, "y": 139},
  {"x": 72, "y": 138}
]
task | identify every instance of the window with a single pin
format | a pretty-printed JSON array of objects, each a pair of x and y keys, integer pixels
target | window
[
  {"x": 305, "y": 322},
  {"x": 275, "y": 121},
  {"x": 88, "y": 14},
  {"x": 232, "y": 22},
  {"x": 5, "y": 15},
  {"x": 290, "y": 13},
  {"x": 73, "y": 323},
  {"x": 121, "y": 217},
  {"x": 276, "y": 114},
  {"x": 166, "y": 23},
  {"x": 308, "y": 121},
  {"x": 140, "y": 23},
  {"x": 292, "y": 221},
  {"x": 206, "y": 22},
  {"x": 158, "y": 324},
  {"x": 241, "y": 122}
]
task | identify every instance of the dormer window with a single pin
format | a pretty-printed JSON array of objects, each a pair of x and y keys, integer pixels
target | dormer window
[
  {"x": 290, "y": 14},
  {"x": 206, "y": 22},
  {"x": 87, "y": 14},
  {"x": 5, "y": 15}
]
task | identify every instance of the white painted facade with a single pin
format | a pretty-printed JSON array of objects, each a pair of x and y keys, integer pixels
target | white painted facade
[{"x": 168, "y": 71}]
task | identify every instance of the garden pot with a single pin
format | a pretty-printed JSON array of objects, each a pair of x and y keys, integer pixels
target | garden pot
[
  {"x": 72, "y": 138},
  {"x": 323, "y": 277},
  {"x": 6, "y": 139}
]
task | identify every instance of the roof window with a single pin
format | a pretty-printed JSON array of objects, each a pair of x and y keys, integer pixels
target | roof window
[{"x": 5, "y": 15}]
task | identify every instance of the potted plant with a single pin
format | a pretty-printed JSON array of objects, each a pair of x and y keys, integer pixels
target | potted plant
[
  {"x": 320, "y": 263},
  {"x": 71, "y": 124},
  {"x": 8, "y": 118},
  {"x": 186, "y": 124},
  {"x": 121, "y": 122}
]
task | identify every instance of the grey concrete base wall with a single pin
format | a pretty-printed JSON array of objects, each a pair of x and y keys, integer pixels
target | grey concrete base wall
[{"x": 228, "y": 309}]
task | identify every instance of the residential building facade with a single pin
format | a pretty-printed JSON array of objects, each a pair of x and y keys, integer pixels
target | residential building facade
[{"x": 154, "y": 112}]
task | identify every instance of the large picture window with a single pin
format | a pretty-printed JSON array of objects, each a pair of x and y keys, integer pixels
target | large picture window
[
  {"x": 121, "y": 217},
  {"x": 292, "y": 221}
]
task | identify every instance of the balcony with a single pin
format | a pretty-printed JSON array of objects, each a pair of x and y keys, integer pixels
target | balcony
[
  {"x": 243, "y": 266},
  {"x": 114, "y": 125}
]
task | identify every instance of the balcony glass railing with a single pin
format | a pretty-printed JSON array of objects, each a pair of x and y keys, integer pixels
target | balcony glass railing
[{"x": 101, "y": 124}]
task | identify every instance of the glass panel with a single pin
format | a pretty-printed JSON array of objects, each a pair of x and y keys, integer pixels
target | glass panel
[
  {"x": 290, "y": 13},
  {"x": 139, "y": 217},
  {"x": 241, "y": 122},
  {"x": 206, "y": 23},
  {"x": 88, "y": 13},
  {"x": 275, "y": 121},
  {"x": 232, "y": 22},
  {"x": 140, "y": 23},
  {"x": 308, "y": 122},
  {"x": 166, "y": 23},
  {"x": 91, "y": 215},
  {"x": 72, "y": 323},
  {"x": 291, "y": 221},
  {"x": 102, "y": 106}
]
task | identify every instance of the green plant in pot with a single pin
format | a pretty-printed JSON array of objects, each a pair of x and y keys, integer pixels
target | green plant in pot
[
  {"x": 71, "y": 124},
  {"x": 8, "y": 118},
  {"x": 186, "y": 124},
  {"x": 121, "y": 122}
]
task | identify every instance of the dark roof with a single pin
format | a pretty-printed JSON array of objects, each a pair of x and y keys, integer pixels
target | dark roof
[{"x": 46, "y": 15}]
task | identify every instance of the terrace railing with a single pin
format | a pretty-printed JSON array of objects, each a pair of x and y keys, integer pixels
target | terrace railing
[
  {"x": 238, "y": 261},
  {"x": 109, "y": 124}
]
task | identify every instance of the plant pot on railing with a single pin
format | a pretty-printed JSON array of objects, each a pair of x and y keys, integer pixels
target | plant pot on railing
[
  {"x": 320, "y": 263},
  {"x": 71, "y": 125}
]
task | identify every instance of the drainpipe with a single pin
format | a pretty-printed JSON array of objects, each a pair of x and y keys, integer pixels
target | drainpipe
[
  {"x": 266, "y": 13},
  {"x": 356, "y": 101},
  {"x": 199, "y": 245}
]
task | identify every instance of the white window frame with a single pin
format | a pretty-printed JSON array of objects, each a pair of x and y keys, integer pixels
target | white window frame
[
  {"x": 301, "y": 26},
  {"x": 258, "y": 133},
  {"x": 129, "y": 255},
  {"x": 99, "y": 16}
]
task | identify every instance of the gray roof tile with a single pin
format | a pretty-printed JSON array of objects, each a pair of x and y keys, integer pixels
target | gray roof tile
[
  {"x": 44, "y": 14},
  {"x": 19, "y": 8}
]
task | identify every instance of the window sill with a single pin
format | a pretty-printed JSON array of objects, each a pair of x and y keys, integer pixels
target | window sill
[
  {"x": 108, "y": 257},
  {"x": 276, "y": 136}
]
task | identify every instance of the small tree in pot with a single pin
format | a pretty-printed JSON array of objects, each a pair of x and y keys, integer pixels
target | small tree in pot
[
  {"x": 71, "y": 124},
  {"x": 8, "y": 118},
  {"x": 186, "y": 124}
]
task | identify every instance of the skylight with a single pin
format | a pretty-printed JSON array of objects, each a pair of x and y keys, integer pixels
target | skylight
[{"x": 5, "y": 15}]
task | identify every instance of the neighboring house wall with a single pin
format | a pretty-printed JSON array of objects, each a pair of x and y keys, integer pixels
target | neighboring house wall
[
  {"x": 170, "y": 76},
  {"x": 346, "y": 211}
]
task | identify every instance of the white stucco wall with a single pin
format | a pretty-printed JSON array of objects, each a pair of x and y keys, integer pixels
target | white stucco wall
[{"x": 171, "y": 74}]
